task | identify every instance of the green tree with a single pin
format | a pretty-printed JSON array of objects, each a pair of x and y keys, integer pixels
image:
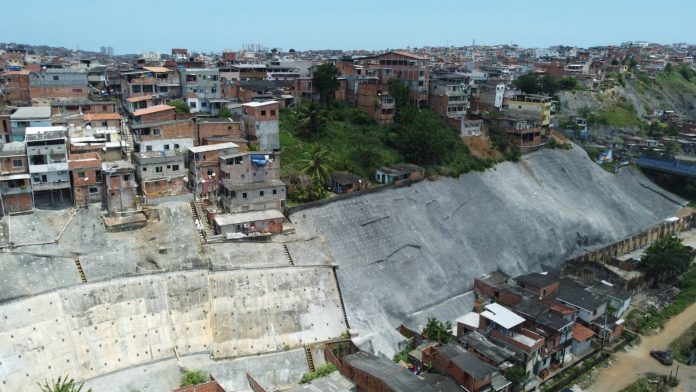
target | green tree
[
  {"x": 316, "y": 163},
  {"x": 399, "y": 91},
  {"x": 548, "y": 85},
  {"x": 568, "y": 83},
  {"x": 666, "y": 259},
  {"x": 224, "y": 112},
  {"x": 325, "y": 79},
  {"x": 668, "y": 69},
  {"x": 274, "y": 50},
  {"x": 528, "y": 83},
  {"x": 517, "y": 376},
  {"x": 422, "y": 137},
  {"x": 615, "y": 62},
  {"x": 63, "y": 384},
  {"x": 193, "y": 377},
  {"x": 310, "y": 119},
  {"x": 180, "y": 106},
  {"x": 502, "y": 143},
  {"x": 438, "y": 331},
  {"x": 291, "y": 50}
]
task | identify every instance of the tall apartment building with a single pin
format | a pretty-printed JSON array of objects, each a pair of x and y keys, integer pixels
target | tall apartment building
[
  {"x": 204, "y": 168},
  {"x": 449, "y": 95},
  {"x": 47, "y": 152},
  {"x": 201, "y": 88},
  {"x": 261, "y": 124},
  {"x": 251, "y": 182},
  {"x": 412, "y": 69}
]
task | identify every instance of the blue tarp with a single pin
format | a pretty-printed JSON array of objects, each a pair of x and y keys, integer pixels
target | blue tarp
[{"x": 258, "y": 159}]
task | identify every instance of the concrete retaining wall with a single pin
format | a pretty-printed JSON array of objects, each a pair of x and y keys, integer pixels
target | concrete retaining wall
[{"x": 93, "y": 329}]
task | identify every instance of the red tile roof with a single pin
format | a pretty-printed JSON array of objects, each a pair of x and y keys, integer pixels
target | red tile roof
[
  {"x": 102, "y": 116},
  {"x": 581, "y": 333},
  {"x": 154, "y": 109}
]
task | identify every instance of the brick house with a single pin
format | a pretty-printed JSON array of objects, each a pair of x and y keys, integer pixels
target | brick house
[
  {"x": 216, "y": 130},
  {"x": 261, "y": 124},
  {"x": 58, "y": 83},
  {"x": 204, "y": 168},
  {"x": 167, "y": 135},
  {"x": 120, "y": 192},
  {"x": 542, "y": 284},
  {"x": 15, "y": 184},
  {"x": 461, "y": 366},
  {"x": 157, "y": 113},
  {"x": 251, "y": 182},
  {"x": 412, "y": 69},
  {"x": 86, "y": 176},
  {"x": 82, "y": 106},
  {"x": 102, "y": 120},
  {"x": 249, "y": 224},
  {"x": 14, "y": 85},
  {"x": 160, "y": 173}
]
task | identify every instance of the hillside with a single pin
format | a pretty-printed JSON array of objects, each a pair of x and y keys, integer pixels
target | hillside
[
  {"x": 625, "y": 104},
  {"x": 409, "y": 253}
]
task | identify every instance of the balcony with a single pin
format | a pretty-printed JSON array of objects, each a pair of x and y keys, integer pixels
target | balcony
[
  {"x": 48, "y": 167},
  {"x": 47, "y": 186}
]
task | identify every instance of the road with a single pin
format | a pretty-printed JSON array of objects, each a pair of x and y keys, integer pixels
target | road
[{"x": 628, "y": 366}]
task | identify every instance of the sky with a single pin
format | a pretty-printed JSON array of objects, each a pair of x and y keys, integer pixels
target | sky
[{"x": 210, "y": 25}]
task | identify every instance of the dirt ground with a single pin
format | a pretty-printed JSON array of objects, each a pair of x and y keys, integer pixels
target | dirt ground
[
  {"x": 628, "y": 366},
  {"x": 480, "y": 147}
]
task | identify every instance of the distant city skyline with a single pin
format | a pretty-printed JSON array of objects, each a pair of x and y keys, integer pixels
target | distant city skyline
[{"x": 214, "y": 25}]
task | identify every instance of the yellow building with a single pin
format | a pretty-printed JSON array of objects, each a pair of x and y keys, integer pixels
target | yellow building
[{"x": 530, "y": 103}]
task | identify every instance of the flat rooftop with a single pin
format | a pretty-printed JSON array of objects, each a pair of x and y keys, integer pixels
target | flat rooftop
[
  {"x": 502, "y": 316},
  {"x": 32, "y": 113},
  {"x": 212, "y": 147},
  {"x": 254, "y": 216},
  {"x": 45, "y": 133}
]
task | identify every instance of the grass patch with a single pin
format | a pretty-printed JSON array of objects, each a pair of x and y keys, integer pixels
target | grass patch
[
  {"x": 683, "y": 346},
  {"x": 193, "y": 377},
  {"x": 620, "y": 114},
  {"x": 647, "y": 322},
  {"x": 322, "y": 371},
  {"x": 652, "y": 384}
]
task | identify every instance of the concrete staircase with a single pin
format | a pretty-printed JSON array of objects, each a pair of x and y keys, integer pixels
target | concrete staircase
[
  {"x": 83, "y": 278},
  {"x": 287, "y": 254},
  {"x": 198, "y": 211},
  {"x": 340, "y": 297},
  {"x": 130, "y": 143},
  {"x": 310, "y": 359}
]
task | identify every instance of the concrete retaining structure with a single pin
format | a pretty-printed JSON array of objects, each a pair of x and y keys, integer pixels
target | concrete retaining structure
[{"x": 94, "y": 329}]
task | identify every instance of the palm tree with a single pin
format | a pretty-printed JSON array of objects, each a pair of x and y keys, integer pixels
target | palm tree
[
  {"x": 316, "y": 163},
  {"x": 310, "y": 119},
  {"x": 63, "y": 385}
]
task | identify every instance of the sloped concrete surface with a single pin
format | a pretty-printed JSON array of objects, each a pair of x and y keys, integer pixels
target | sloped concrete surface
[
  {"x": 94, "y": 329},
  {"x": 404, "y": 253}
]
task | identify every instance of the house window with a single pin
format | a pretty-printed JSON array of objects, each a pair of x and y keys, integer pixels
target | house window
[
  {"x": 126, "y": 177},
  {"x": 273, "y": 113},
  {"x": 93, "y": 189},
  {"x": 148, "y": 148},
  {"x": 210, "y": 172},
  {"x": 260, "y": 193},
  {"x": 81, "y": 174},
  {"x": 156, "y": 132},
  {"x": 136, "y": 88},
  {"x": 77, "y": 90},
  {"x": 144, "y": 169},
  {"x": 15, "y": 183},
  {"x": 176, "y": 146},
  {"x": 158, "y": 169},
  {"x": 17, "y": 163},
  {"x": 275, "y": 191},
  {"x": 192, "y": 104},
  {"x": 175, "y": 167},
  {"x": 104, "y": 124},
  {"x": 244, "y": 195},
  {"x": 166, "y": 146},
  {"x": 55, "y": 78},
  {"x": 263, "y": 112},
  {"x": 213, "y": 90},
  {"x": 104, "y": 108}
]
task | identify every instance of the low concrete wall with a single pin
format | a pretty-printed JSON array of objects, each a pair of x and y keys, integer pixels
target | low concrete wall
[
  {"x": 93, "y": 329},
  {"x": 643, "y": 239}
]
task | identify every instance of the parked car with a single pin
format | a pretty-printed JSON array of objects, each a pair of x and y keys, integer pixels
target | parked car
[{"x": 665, "y": 357}]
